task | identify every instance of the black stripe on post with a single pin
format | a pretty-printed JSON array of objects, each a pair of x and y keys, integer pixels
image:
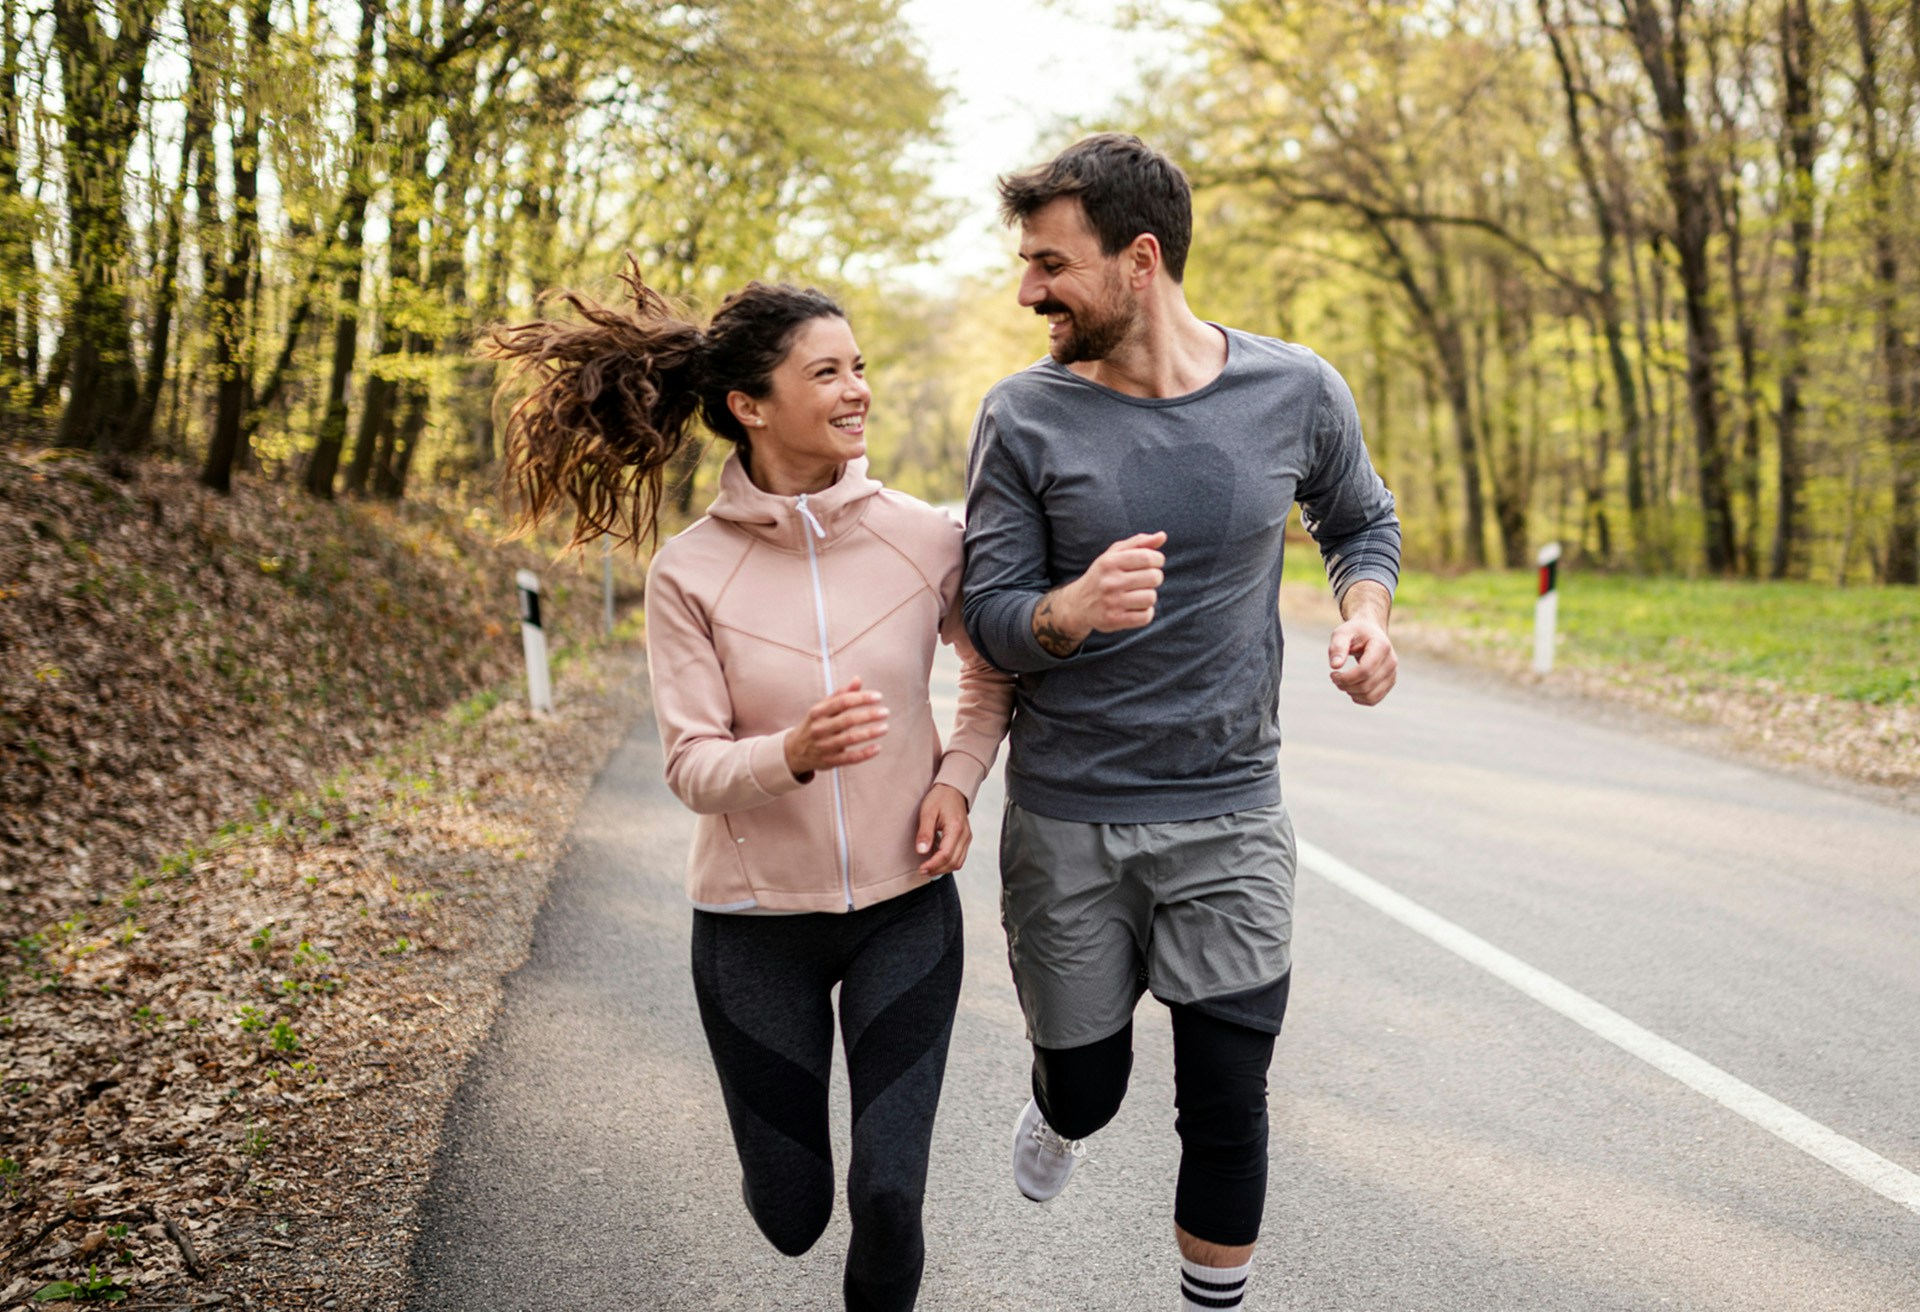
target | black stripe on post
[{"x": 530, "y": 607}]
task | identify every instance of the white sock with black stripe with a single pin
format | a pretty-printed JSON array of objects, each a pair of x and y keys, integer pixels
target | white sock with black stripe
[{"x": 1210, "y": 1288}]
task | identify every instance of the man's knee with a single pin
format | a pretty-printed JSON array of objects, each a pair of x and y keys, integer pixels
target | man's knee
[
  {"x": 1220, "y": 1088},
  {"x": 1080, "y": 1089}
]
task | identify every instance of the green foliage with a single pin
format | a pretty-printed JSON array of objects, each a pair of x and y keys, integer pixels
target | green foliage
[
  {"x": 308, "y": 955},
  {"x": 1403, "y": 189},
  {"x": 1857, "y": 644},
  {"x": 96, "y": 1288},
  {"x": 477, "y": 707}
]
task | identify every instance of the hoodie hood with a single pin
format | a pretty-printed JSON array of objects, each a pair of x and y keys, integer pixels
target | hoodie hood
[{"x": 780, "y": 521}]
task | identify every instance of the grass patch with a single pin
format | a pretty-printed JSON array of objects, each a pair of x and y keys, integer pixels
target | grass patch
[{"x": 1856, "y": 644}]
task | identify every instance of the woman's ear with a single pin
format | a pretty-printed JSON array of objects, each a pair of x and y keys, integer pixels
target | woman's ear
[{"x": 746, "y": 409}]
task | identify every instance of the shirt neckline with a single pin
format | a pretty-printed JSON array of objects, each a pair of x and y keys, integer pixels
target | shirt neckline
[{"x": 1154, "y": 402}]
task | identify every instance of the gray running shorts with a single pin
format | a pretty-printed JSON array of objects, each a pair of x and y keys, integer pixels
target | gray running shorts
[{"x": 1198, "y": 911}]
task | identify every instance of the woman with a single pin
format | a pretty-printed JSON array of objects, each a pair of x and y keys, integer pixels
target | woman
[{"x": 790, "y": 636}]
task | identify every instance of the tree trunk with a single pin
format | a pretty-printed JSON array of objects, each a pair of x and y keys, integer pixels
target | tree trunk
[
  {"x": 1663, "y": 54},
  {"x": 346, "y": 256},
  {"x": 1800, "y": 149},
  {"x": 1439, "y": 319},
  {"x": 391, "y": 484},
  {"x": 17, "y": 274},
  {"x": 1593, "y": 478},
  {"x": 231, "y": 310},
  {"x": 102, "y": 84},
  {"x": 1903, "y": 425},
  {"x": 376, "y": 416},
  {"x": 1632, "y": 428},
  {"x": 1728, "y": 196},
  {"x": 196, "y": 142},
  {"x": 1512, "y": 481},
  {"x": 1437, "y": 466}
]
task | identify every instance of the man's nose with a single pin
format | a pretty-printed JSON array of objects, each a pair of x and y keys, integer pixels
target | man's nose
[{"x": 1033, "y": 287}]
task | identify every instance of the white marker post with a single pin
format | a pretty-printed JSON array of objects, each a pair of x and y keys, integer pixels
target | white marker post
[
  {"x": 1546, "y": 608},
  {"x": 539, "y": 684},
  {"x": 606, "y": 560}
]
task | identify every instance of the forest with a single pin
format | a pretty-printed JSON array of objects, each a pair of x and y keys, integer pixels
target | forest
[
  {"x": 266, "y": 237},
  {"x": 1634, "y": 275}
]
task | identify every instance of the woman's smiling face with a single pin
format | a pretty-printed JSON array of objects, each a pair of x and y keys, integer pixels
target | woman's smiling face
[{"x": 816, "y": 410}]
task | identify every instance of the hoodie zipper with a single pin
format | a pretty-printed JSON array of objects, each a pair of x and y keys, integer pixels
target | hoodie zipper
[{"x": 826, "y": 668}]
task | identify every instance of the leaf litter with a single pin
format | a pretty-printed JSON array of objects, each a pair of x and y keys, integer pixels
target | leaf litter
[{"x": 230, "y": 1028}]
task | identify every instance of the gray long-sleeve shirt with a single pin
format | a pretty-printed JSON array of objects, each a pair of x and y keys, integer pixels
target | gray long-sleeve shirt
[{"x": 1178, "y": 720}]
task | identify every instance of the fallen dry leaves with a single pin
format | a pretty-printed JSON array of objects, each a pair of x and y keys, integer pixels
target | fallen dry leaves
[
  {"x": 168, "y": 656},
  {"x": 274, "y": 822},
  {"x": 257, "y": 1048}
]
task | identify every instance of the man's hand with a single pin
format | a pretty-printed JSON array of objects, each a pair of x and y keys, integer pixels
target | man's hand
[
  {"x": 1118, "y": 591},
  {"x": 840, "y": 730},
  {"x": 1361, "y": 654},
  {"x": 945, "y": 830}
]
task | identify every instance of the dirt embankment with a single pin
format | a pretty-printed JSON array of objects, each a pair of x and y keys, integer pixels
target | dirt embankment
[
  {"x": 168, "y": 656},
  {"x": 274, "y": 820}
]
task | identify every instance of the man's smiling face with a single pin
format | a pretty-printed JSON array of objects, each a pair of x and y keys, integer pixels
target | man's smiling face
[{"x": 1090, "y": 310}]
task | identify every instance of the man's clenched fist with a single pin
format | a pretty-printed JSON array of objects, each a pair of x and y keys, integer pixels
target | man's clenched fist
[{"x": 1119, "y": 591}]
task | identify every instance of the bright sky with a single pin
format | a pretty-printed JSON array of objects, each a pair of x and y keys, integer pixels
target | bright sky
[{"x": 1017, "y": 69}]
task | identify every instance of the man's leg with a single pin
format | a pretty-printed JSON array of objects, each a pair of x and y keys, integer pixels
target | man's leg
[
  {"x": 1079, "y": 1089},
  {"x": 1220, "y": 1089},
  {"x": 1076, "y": 917},
  {"x": 1220, "y": 959}
]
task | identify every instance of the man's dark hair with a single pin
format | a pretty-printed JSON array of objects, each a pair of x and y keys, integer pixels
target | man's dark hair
[{"x": 1126, "y": 188}]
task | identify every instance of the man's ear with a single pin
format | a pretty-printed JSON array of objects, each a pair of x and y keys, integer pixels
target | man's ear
[{"x": 1143, "y": 260}]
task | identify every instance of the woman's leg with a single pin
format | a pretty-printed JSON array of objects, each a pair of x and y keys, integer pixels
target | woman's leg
[
  {"x": 896, "y": 1015},
  {"x": 762, "y": 983}
]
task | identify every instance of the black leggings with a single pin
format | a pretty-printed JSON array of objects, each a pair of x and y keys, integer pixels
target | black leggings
[
  {"x": 763, "y": 984},
  {"x": 1220, "y": 1090}
]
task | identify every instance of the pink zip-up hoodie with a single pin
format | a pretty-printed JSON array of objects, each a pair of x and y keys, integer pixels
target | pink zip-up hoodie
[{"x": 762, "y": 609}]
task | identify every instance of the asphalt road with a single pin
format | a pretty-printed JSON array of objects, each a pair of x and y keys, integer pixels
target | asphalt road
[{"x": 1441, "y": 1140}]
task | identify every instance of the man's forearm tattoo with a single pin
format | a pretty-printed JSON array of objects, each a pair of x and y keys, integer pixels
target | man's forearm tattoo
[{"x": 1055, "y": 640}]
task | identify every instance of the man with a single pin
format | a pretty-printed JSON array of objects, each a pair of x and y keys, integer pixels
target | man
[{"x": 1126, "y": 508}]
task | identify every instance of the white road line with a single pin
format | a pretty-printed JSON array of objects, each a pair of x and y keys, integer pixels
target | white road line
[{"x": 1886, "y": 1178}]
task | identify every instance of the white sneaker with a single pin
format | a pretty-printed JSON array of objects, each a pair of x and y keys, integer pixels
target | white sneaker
[{"x": 1042, "y": 1160}]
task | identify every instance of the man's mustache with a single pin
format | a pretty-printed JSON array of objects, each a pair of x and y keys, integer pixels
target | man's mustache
[{"x": 1052, "y": 307}]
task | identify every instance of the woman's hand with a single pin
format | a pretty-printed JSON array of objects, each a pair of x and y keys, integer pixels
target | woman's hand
[
  {"x": 944, "y": 830},
  {"x": 839, "y": 731}
]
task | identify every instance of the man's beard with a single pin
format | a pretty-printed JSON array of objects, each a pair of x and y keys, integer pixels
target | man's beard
[{"x": 1095, "y": 333}]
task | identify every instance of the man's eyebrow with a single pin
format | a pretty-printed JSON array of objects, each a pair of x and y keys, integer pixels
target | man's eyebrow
[{"x": 1044, "y": 253}]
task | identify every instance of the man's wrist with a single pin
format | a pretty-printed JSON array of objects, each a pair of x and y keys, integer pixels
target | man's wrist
[
  {"x": 1367, "y": 599},
  {"x": 1055, "y": 626}
]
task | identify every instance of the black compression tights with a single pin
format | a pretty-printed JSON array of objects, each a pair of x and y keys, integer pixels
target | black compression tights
[
  {"x": 764, "y": 984},
  {"x": 1220, "y": 1089}
]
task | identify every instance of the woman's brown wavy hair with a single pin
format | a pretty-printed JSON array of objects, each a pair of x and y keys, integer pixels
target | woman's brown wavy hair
[{"x": 616, "y": 391}]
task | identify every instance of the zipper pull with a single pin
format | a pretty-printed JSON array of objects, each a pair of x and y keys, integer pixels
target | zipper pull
[{"x": 800, "y": 504}]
